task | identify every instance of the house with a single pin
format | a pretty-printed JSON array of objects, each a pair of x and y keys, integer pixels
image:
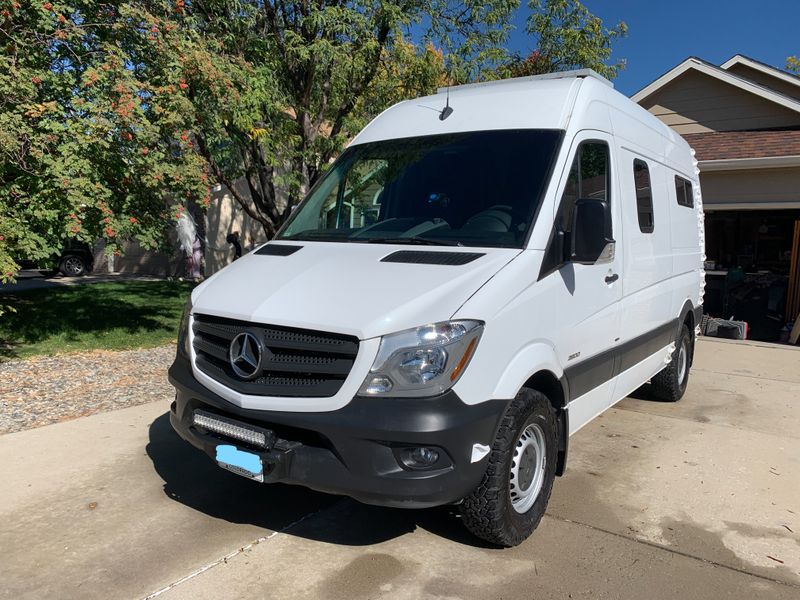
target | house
[
  {"x": 224, "y": 216},
  {"x": 743, "y": 120}
]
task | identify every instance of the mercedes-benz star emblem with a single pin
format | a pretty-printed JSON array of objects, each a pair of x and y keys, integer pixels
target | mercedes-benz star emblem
[{"x": 245, "y": 355}]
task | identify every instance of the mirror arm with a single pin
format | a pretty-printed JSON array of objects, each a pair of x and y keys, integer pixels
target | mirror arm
[{"x": 562, "y": 249}]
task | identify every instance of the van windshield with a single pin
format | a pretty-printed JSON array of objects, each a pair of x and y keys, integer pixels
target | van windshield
[{"x": 478, "y": 188}]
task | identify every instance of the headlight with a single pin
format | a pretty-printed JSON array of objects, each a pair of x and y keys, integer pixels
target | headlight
[
  {"x": 424, "y": 361},
  {"x": 183, "y": 330}
]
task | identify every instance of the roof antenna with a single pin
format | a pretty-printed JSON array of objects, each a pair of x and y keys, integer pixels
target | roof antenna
[{"x": 447, "y": 110}]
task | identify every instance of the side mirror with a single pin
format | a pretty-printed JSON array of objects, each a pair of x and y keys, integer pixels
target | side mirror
[{"x": 590, "y": 239}]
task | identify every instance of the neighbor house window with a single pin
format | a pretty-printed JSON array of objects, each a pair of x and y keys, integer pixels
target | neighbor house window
[
  {"x": 683, "y": 190},
  {"x": 644, "y": 195}
]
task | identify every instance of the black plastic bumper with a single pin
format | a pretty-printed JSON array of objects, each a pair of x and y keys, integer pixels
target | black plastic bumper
[{"x": 356, "y": 450}]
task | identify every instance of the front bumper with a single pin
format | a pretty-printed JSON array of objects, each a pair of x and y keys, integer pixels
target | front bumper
[{"x": 356, "y": 450}]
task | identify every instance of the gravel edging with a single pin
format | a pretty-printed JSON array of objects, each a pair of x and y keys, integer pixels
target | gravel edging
[{"x": 47, "y": 389}]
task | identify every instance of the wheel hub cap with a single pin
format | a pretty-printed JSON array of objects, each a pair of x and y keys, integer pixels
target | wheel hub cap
[
  {"x": 527, "y": 467},
  {"x": 73, "y": 265},
  {"x": 528, "y": 464},
  {"x": 682, "y": 363}
]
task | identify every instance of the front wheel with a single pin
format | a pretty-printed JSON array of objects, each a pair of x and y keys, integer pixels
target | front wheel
[{"x": 510, "y": 501}]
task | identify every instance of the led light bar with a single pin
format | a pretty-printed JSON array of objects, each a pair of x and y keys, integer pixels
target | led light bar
[{"x": 233, "y": 429}]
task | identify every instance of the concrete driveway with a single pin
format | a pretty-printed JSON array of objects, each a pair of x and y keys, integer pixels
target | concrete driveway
[{"x": 699, "y": 499}]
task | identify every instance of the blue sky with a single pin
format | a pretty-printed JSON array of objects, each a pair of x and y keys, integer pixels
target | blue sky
[{"x": 662, "y": 34}]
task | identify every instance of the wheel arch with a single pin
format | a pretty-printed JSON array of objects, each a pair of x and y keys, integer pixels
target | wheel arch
[
  {"x": 688, "y": 316},
  {"x": 556, "y": 390}
]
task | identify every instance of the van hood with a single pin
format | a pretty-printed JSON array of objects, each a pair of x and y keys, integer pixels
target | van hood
[{"x": 345, "y": 288}]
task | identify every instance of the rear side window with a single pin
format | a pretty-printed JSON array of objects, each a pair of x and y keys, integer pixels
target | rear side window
[
  {"x": 683, "y": 190},
  {"x": 644, "y": 195}
]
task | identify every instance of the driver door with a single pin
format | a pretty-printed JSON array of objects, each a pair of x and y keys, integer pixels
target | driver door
[{"x": 587, "y": 297}]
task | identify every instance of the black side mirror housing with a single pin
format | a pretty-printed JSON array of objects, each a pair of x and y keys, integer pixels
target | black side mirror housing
[{"x": 590, "y": 238}]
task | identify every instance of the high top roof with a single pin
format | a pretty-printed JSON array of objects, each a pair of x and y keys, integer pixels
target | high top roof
[
  {"x": 579, "y": 73},
  {"x": 538, "y": 102}
]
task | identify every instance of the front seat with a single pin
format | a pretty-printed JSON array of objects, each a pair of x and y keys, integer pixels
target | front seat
[{"x": 495, "y": 218}]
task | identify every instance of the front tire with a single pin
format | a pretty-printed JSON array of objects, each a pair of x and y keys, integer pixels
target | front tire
[
  {"x": 670, "y": 383},
  {"x": 511, "y": 499}
]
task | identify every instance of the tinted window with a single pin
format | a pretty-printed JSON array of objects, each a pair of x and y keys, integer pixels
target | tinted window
[
  {"x": 684, "y": 192},
  {"x": 474, "y": 189},
  {"x": 588, "y": 178},
  {"x": 644, "y": 195}
]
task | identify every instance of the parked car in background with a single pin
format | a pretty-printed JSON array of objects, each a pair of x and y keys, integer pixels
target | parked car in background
[{"x": 75, "y": 259}]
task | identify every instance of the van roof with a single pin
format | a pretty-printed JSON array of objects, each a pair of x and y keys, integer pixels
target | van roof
[
  {"x": 537, "y": 102},
  {"x": 575, "y": 73},
  {"x": 519, "y": 103}
]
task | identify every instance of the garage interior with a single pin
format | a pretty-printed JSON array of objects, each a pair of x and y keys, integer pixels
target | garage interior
[{"x": 752, "y": 269}]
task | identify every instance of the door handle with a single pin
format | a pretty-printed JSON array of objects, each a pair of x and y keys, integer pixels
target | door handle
[{"x": 611, "y": 278}]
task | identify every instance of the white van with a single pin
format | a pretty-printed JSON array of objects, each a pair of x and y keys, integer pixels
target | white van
[{"x": 480, "y": 274}]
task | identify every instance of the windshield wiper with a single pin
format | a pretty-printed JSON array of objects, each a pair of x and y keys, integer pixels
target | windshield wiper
[{"x": 413, "y": 240}]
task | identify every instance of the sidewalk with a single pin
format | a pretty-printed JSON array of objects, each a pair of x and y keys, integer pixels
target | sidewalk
[{"x": 34, "y": 280}]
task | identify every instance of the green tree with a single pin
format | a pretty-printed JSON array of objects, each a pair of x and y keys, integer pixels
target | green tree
[
  {"x": 89, "y": 148},
  {"x": 567, "y": 36},
  {"x": 115, "y": 116},
  {"x": 310, "y": 75},
  {"x": 793, "y": 64}
]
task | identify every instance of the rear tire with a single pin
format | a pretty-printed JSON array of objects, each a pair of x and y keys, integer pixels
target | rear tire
[
  {"x": 670, "y": 384},
  {"x": 511, "y": 499}
]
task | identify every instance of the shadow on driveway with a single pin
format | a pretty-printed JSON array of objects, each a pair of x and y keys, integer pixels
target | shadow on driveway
[{"x": 193, "y": 479}]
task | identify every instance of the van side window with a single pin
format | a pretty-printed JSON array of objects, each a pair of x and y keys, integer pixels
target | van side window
[
  {"x": 588, "y": 178},
  {"x": 644, "y": 195},
  {"x": 683, "y": 190}
]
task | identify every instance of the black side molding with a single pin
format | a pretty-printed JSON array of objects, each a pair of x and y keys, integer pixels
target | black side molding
[
  {"x": 595, "y": 371},
  {"x": 432, "y": 258},
  {"x": 277, "y": 250}
]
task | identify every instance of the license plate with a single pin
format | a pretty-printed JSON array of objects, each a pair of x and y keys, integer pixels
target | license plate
[{"x": 240, "y": 462}]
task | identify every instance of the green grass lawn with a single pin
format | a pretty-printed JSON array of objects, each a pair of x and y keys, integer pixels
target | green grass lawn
[{"x": 108, "y": 316}]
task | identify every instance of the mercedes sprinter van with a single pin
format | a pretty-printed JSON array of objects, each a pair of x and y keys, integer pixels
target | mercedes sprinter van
[{"x": 479, "y": 274}]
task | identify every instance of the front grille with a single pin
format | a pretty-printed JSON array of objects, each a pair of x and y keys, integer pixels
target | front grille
[{"x": 295, "y": 362}]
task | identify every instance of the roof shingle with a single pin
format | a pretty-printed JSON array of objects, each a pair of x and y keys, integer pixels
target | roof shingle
[{"x": 721, "y": 145}]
